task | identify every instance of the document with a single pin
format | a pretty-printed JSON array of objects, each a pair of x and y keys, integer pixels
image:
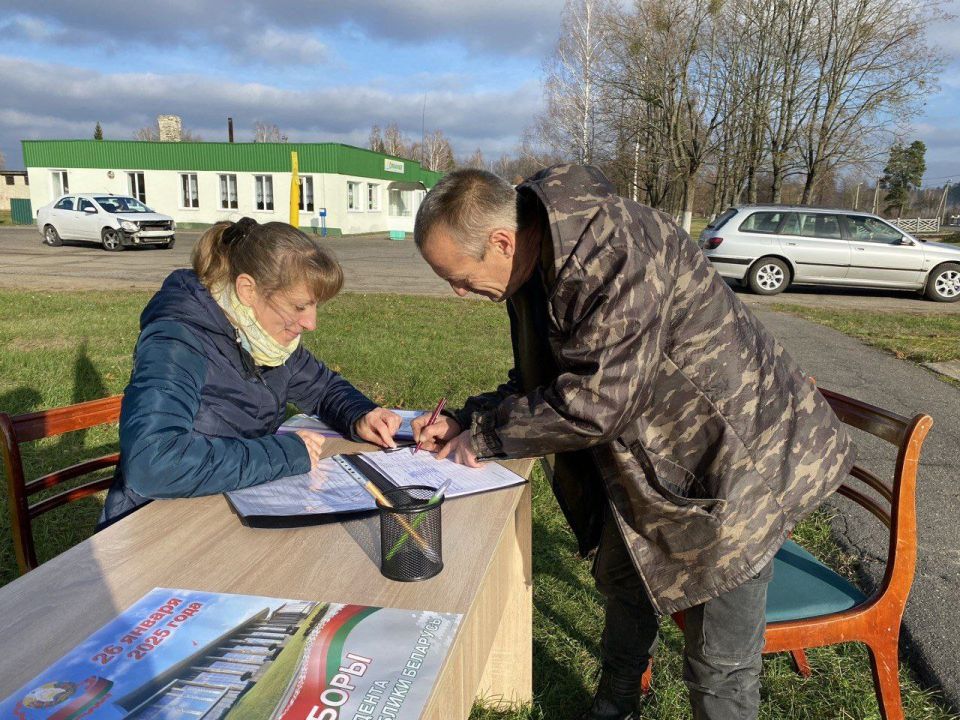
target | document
[
  {"x": 310, "y": 422},
  {"x": 329, "y": 490}
]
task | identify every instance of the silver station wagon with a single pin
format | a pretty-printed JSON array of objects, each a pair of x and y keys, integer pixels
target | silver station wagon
[{"x": 768, "y": 247}]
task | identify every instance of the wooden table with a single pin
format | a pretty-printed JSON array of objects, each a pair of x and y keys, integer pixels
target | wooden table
[{"x": 200, "y": 544}]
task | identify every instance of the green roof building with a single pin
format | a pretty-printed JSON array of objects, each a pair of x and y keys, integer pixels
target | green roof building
[{"x": 343, "y": 189}]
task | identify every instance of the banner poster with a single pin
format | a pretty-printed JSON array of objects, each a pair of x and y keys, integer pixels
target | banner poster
[{"x": 190, "y": 654}]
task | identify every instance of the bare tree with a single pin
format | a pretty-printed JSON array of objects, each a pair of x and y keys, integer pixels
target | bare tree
[
  {"x": 872, "y": 62},
  {"x": 152, "y": 134},
  {"x": 395, "y": 142},
  {"x": 474, "y": 161},
  {"x": 375, "y": 141},
  {"x": 264, "y": 132},
  {"x": 570, "y": 123},
  {"x": 148, "y": 134},
  {"x": 436, "y": 152}
]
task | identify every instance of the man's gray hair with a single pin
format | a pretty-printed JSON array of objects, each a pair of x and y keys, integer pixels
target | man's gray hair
[{"x": 470, "y": 204}]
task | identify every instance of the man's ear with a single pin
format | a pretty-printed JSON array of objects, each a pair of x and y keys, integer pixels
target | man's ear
[
  {"x": 246, "y": 288},
  {"x": 503, "y": 241}
]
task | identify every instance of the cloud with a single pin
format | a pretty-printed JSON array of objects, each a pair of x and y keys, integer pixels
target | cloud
[
  {"x": 289, "y": 26},
  {"x": 45, "y": 100},
  {"x": 273, "y": 47}
]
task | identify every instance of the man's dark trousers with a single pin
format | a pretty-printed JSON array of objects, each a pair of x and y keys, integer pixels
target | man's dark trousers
[{"x": 723, "y": 637}]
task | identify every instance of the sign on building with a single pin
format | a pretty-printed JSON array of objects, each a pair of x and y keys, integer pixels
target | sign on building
[{"x": 394, "y": 166}]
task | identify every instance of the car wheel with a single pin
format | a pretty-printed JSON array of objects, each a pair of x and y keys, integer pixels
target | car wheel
[
  {"x": 51, "y": 237},
  {"x": 943, "y": 285},
  {"x": 769, "y": 276},
  {"x": 110, "y": 237},
  {"x": 169, "y": 245}
]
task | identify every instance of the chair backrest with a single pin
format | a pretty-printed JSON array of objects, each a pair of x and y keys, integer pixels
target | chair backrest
[
  {"x": 897, "y": 505},
  {"x": 19, "y": 429}
]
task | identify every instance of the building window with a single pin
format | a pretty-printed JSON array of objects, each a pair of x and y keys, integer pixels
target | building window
[
  {"x": 263, "y": 191},
  {"x": 228, "y": 192},
  {"x": 137, "y": 187},
  {"x": 60, "y": 184},
  {"x": 353, "y": 196},
  {"x": 189, "y": 198},
  {"x": 373, "y": 196},
  {"x": 306, "y": 193},
  {"x": 9, "y": 179}
]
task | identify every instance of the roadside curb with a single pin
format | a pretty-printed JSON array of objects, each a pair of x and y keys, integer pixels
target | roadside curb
[{"x": 951, "y": 368}]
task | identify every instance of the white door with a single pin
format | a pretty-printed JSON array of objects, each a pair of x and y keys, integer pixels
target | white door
[
  {"x": 878, "y": 258},
  {"x": 87, "y": 223},
  {"x": 63, "y": 217},
  {"x": 814, "y": 241}
]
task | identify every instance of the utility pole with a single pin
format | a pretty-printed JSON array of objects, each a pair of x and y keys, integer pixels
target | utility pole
[
  {"x": 856, "y": 198},
  {"x": 876, "y": 195},
  {"x": 942, "y": 205},
  {"x": 423, "y": 127}
]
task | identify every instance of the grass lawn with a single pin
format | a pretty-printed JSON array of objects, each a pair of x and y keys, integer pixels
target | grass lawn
[
  {"x": 912, "y": 336},
  {"x": 405, "y": 351}
]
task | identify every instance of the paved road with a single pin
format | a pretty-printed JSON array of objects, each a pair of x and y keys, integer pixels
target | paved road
[
  {"x": 846, "y": 365},
  {"x": 371, "y": 264}
]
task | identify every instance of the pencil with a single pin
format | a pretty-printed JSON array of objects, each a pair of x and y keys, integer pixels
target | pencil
[{"x": 382, "y": 499}]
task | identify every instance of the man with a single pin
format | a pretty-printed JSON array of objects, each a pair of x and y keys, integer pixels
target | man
[{"x": 687, "y": 443}]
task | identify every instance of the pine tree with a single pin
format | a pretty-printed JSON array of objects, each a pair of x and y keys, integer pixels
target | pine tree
[
  {"x": 98, "y": 132},
  {"x": 903, "y": 173}
]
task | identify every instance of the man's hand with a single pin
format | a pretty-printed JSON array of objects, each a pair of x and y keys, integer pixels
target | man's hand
[
  {"x": 460, "y": 450},
  {"x": 378, "y": 427},
  {"x": 434, "y": 436},
  {"x": 314, "y": 444}
]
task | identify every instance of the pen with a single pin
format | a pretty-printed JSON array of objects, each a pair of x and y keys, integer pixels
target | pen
[
  {"x": 434, "y": 499},
  {"x": 432, "y": 420},
  {"x": 409, "y": 531}
]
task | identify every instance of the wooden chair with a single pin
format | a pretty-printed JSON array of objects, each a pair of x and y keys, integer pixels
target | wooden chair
[
  {"x": 809, "y": 605},
  {"x": 19, "y": 429}
]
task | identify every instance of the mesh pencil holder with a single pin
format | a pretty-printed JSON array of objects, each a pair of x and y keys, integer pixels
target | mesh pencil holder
[{"x": 410, "y": 543}]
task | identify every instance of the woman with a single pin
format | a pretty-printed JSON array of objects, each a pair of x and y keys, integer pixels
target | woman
[{"x": 219, "y": 357}]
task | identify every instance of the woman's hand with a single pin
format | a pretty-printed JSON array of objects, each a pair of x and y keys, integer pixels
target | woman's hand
[
  {"x": 378, "y": 427},
  {"x": 433, "y": 437},
  {"x": 314, "y": 444}
]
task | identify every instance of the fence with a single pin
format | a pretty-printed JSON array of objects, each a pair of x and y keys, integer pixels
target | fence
[{"x": 918, "y": 225}]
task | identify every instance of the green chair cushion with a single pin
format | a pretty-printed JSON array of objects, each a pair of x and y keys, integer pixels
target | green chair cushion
[{"x": 803, "y": 587}]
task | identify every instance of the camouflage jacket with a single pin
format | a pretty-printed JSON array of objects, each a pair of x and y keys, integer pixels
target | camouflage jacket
[{"x": 710, "y": 441}]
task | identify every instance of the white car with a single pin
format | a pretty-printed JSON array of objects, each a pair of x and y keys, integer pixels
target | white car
[{"x": 115, "y": 221}]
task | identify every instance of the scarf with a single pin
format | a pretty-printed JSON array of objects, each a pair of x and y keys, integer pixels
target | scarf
[{"x": 263, "y": 348}]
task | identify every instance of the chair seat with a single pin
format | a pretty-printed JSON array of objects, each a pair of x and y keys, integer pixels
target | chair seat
[{"x": 803, "y": 587}]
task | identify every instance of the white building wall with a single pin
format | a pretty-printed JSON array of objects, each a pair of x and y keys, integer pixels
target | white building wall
[{"x": 163, "y": 194}]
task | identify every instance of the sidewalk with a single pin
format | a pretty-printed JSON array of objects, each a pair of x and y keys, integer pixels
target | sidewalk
[{"x": 932, "y": 621}]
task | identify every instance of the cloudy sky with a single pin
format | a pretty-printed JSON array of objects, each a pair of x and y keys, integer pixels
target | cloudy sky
[{"x": 321, "y": 70}]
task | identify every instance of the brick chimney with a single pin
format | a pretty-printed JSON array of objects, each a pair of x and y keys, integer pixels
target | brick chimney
[{"x": 170, "y": 128}]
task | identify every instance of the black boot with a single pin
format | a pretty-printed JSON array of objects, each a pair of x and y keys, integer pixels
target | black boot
[{"x": 616, "y": 699}]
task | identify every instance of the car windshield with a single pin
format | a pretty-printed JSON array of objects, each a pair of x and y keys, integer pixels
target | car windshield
[{"x": 118, "y": 204}]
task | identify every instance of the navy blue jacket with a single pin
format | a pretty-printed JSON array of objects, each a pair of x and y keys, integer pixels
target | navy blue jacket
[{"x": 198, "y": 417}]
